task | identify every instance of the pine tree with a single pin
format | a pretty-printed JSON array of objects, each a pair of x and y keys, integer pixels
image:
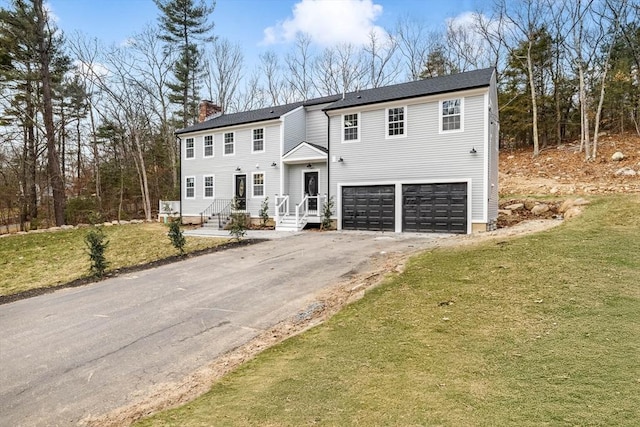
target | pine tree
[{"x": 183, "y": 24}]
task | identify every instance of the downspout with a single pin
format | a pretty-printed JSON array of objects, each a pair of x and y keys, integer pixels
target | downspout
[
  {"x": 180, "y": 173},
  {"x": 328, "y": 156}
]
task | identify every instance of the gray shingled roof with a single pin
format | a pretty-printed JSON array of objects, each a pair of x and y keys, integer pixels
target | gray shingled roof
[
  {"x": 431, "y": 86},
  {"x": 224, "y": 120}
]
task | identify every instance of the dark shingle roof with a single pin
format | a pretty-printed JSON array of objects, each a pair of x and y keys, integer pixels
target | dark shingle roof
[{"x": 431, "y": 86}]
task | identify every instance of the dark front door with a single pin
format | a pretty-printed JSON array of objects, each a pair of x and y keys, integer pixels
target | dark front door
[
  {"x": 241, "y": 192},
  {"x": 311, "y": 189}
]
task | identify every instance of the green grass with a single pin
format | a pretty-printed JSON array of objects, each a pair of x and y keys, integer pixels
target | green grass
[
  {"x": 540, "y": 330},
  {"x": 43, "y": 260}
]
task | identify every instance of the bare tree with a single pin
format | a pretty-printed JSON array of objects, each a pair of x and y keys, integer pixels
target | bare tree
[
  {"x": 299, "y": 63},
  {"x": 274, "y": 84},
  {"x": 224, "y": 69},
  {"x": 380, "y": 60},
  {"x": 414, "y": 44}
]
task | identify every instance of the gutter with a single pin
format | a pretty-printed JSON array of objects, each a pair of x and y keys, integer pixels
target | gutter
[
  {"x": 179, "y": 173},
  {"x": 328, "y": 155}
]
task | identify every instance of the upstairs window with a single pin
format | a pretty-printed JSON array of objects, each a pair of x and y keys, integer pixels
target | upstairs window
[
  {"x": 395, "y": 122},
  {"x": 229, "y": 143},
  {"x": 350, "y": 130},
  {"x": 208, "y": 187},
  {"x": 189, "y": 148},
  {"x": 451, "y": 115},
  {"x": 190, "y": 187},
  {"x": 258, "y": 184},
  {"x": 258, "y": 141},
  {"x": 208, "y": 146}
]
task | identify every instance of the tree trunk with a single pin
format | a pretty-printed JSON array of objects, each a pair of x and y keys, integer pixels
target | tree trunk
[
  {"x": 534, "y": 104},
  {"x": 53, "y": 164},
  {"x": 142, "y": 175}
]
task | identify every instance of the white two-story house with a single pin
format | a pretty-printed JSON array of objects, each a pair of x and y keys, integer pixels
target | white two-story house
[{"x": 420, "y": 156}]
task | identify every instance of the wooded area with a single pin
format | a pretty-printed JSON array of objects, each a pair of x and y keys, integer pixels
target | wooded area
[{"x": 86, "y": 130}]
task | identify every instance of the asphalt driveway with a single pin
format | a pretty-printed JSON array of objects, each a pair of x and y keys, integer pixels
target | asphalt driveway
[{"x": 82, "y": 352}]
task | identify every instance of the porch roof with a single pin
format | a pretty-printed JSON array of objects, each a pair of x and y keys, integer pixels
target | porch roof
[{"x": 306, "y": 152}]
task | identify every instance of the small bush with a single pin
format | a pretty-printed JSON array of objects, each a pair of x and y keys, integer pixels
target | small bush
[
  {"x": 175, "y": 235},
  {"x": 238, "y": 227},
  {"x": 96, "y": 247},
  {"x": 327, "y": 211},
  {"x": 264, "y": 212}
]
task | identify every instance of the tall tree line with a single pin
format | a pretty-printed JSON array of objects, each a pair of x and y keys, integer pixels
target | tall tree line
[{"x": 86, "y": 130}]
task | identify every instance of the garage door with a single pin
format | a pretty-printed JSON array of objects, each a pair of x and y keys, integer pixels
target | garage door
[
  {"x": 439, "y": 208},
  {"x": 368, "y": 208}
]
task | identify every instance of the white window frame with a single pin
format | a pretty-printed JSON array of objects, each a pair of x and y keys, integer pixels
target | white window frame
[
  {"x": 205, "y": 146},
  {"x": 224, "y": 143},
  {"x": 186, "y": 187},
  {"x": 253, "y": 185},
  {"x": 357, "y": 127},
  {"x": 441, "y": 115},
  {"x": 212, "y": 187},
  {"x": 188, "y": 149},
  {"x": 253, "y": 140},
  {"x": 404, "y": 122}
]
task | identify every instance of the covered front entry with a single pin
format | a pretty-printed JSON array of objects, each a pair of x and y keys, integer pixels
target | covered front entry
[
  {"x": 311, "y": 189},
  {"x": 368, "y": 208},
  {"x": 434, "y": 208}
]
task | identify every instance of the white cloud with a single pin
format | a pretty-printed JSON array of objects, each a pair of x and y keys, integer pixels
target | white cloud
[{"x": 328, "y": 22}]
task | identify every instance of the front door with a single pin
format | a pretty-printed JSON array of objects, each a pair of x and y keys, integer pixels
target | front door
[
  {"x": 241, "y": 192},
  {"x": 311, "y": 189}
]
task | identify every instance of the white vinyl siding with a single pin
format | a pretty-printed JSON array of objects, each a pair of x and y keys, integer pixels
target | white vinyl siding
[
  {"x": 257, "y": 145},
  {"x": 189, "y": 148},
  {"x": 208, "y": 146},
  {"x": 351, "y": 127},
  {"x": 190, "y": 187},
  {"x": 229, "y": 139},
  {"x": 451, "y": 117},
  {"x": 396, "y": 122},
  {"x": 258, "y": 184},
  {"x": 209, "y": 187}
]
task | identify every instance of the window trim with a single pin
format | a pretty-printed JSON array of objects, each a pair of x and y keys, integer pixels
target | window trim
[
  {"x": 358, "y": 127},
  {"x": 441, "y": 116},
  {"x": 404, "y": 122},
  {"x": 204, "y": 146},
  {"x": 224, "y": 143},
  {"x": 186, "y": 187},
  {"x": 187, "y": 148},
  {"x": 253, "y": 141},
  {"x": 253, "y": 185},
  {"x": 204, "y": 186}
]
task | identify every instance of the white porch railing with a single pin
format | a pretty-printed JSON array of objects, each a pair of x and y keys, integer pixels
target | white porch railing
[{"x": 282, "y": 208}]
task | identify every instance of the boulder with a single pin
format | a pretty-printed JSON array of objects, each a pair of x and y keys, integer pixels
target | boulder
[
  {"x": 617, "y": 156},
  {"x": 626, "y": 171},
  {"x": 515, "y": 206},
  {"x": 572, "y": 212},
  {"x": 554, "y": 190},
  {"x": 580, "y": 202},
  {"x": 540, "y": 209},
  {"x": 566, "y": 205},
  {"x": 507, "y": 212},
  {"x": 529, "y": 204}
]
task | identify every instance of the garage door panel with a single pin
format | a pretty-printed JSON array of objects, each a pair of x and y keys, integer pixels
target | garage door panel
[
  {"x": 434, "y": 208},
  {"x": 368, "y": 208}
]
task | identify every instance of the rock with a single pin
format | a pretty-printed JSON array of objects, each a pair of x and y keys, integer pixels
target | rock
[
  {"x": 554, "y": 190},
  {"x": 572, "y": 212},
  {"x": 580, "y": 202},
  {"x": 617, "y": 156},
  {"x": 507, "y": 212},
  {"x": 626, "y": 171},
  {"x": 529, "y": 204},
  {"x": 67, "y": 227},
  {"x": 515, "y": 206},
  {"x": 510, "y": 157},
  {"x": 569, "y": 203},
  {"x": 107, "y": 224},
  {"x": 540, "y": 209}
]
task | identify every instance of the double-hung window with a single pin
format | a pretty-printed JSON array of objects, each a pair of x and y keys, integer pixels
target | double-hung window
[
  {"x": 350, "y": 131},
  {"x": 258, "y": 184},
  {"x": 190, "y": 187},
  {"x": 209, "y": 187},
  {"x": 189, "y": 148},
  {"x": 451, "y": 117},
  {"x": 258, "y": 140},
  {"x": 229, "y": 143},
  {"x": 396, "y": 122},
  {"x": 208, "y": 146}
]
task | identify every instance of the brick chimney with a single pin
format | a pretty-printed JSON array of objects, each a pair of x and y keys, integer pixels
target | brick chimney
[{"x": 208, "y": 110}]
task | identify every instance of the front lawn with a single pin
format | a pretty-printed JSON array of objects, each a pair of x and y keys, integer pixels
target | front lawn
[
  {"x": 538, "y": 330},
  {"x": 41, "y": 260}
]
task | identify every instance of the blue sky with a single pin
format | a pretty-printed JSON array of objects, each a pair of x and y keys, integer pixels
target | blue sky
[{"x": 245, "y": 21}]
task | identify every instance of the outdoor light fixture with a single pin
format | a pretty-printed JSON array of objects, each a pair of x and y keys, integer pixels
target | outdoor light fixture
[
  {"x": 309, "y": 165},
  {"x": 238, "y": 169},
  {"x": 341, "y": 159},
  {"x": 274, "y": 164},
  {"x": 473, "y": 150}
]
